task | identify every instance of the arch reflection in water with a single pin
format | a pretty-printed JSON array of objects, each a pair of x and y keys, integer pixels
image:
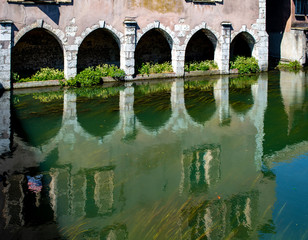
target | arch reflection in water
[{"x": 185, "y": 180}]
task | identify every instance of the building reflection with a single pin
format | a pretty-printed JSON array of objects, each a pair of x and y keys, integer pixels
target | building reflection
[{"x": 113, "y": 182}]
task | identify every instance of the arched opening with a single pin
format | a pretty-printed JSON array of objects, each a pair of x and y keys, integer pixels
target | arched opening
[
  {"x": 201, "y": 47},
  {"x": 152, "y": 47},
  {"x": 35, "y": 50},
  {"x": 99, "y": 47},
  {"x": 242, "y": 45}
]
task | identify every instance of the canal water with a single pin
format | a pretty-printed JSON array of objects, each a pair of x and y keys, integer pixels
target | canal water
[{"x": 211, "y": 158}]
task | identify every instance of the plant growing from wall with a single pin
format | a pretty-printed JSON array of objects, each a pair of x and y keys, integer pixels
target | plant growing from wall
[
  {"x": 293, "y": 66},
  {"x": 93, "y": 76},
  {"x": 42, "y": 75},
  {"x": 245, "y": 65},
  {"x": 149, "y": 68},
  {"x": 200, "y": 66}
]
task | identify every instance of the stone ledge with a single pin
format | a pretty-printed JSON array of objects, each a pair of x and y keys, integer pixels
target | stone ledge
[
  {"x": 202, "y": 73},
  {"x": 36, "y": 84}
]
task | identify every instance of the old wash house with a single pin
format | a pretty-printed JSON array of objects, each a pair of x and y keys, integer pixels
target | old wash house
[{"x": 72, "y": 35}]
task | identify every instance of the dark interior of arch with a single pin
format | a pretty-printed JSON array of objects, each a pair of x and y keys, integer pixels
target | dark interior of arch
[
  {"x": 240, "y": 47},
  {"x": 152, "y": 47},
  {"x": 98, "y": 48},
  {"x": 199, "y": 48},
  {"x": 35, "y": 50}
]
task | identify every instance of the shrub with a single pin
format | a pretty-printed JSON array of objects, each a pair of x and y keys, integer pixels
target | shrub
[
  {"x": 200, "y": 66},
  {"x": 148, "y": 68},
  {"x": 293, "y": 66},
  {"x": 42, "y": 75},
  {"x": 245, "y": 65},
  {"x": 93, "y": 76}
]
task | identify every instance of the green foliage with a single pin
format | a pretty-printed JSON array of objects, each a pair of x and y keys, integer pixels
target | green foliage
[
  {"x": 93, "y": 76},
  {"x": 153, "y": 88},
  {"x": 243, "y": 81},
  {"x": 199, "y": 85},
  {"x": 149, "y": 68},
  {"x": 245, "y": 65},
  {"x": 293, "y": 66},
  {"x": 46, "y": 97},
  {"x": 200, "y": 66},
  {"x": 42, "y": 75}
]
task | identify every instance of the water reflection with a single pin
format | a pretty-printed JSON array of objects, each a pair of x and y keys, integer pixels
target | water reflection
[{"x": 181, "y": 178}]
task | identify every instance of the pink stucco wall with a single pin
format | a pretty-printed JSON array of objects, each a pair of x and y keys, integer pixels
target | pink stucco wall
[{"x": 113, "y": 12}]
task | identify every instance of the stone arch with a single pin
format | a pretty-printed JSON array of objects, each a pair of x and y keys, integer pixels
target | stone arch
[
  {"x": 165, "y": 31},
  {"x": 56, "y": 33},
  {"x": 201, "y": 46},
  {"x": 243, "y": 44},
  {"x": 210, "y": 33},
  {"x": 97, "y": 48},
  {"x": 37, "y": 46},
  {"x": 118, "y": 36},
  {"x": 165, "y": 44}
]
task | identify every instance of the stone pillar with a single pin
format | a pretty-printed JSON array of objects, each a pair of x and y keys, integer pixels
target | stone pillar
[
  {"x": 70, "y": 61},
  {"x": 263, "y": 43},
  {"x": 128, "y": 48},
  {"x": 5, "y": 53},
  {"x": 5, "y": 123},
  {"x": 223, "y": 57},
  {"x": 178, "y": 59},
  {"x": 221, "y": 94},
  {"x": 127, "y": 114}
]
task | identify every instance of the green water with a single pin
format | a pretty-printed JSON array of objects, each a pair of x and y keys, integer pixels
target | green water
[{"x": 219, "y": 158}]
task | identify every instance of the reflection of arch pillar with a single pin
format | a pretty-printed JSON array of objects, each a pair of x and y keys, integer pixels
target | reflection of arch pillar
[
  {"x": 127, "y": 114},
  {"x": 259, "y": 92},
  {"x": 14, "y": 201},
  {"x": 221, "y": 94},
  {"x": 292, "y": 92},
  {"x": 5, "y": 54},
  {"x": 69, "y": 106},
  {"x": 5, "y": 123},
  {"x": 177, "y": 95}
]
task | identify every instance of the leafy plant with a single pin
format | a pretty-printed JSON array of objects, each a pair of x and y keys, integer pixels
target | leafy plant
[
  {"x": 245, "y": 65},
  {"x": 42, "y": 75},
  {"x": 149, "y": 68},
  {"x": 293, "y": 66},
  {"x": 200, "y": 66},
  {"x": 93, "y": 76}
]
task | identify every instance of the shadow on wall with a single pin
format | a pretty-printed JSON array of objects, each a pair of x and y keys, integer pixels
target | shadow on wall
[{"x": 277, "y": 14}]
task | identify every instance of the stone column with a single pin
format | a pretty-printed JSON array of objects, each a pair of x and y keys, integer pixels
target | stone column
[
  {"x": 5, "y": 53},
  {"x": 70, "y": 61},
  {"x": 128, "y": 48},
  {"x": 221, "y": 94},
  {"x": 178, "y": 59},
  {"x": 223, "y": 57},
  {"x": 127, "y": 114},
  {"x": 5, "y": 123},
  {"x": 263, "y": 43}
]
